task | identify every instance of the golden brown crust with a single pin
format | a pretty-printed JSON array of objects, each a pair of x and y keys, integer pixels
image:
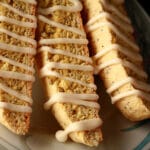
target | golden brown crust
[
  {"x": 133, "y": 107},
  {"x": 17, "y": 122},
  {"x": 66, "y": 113}
]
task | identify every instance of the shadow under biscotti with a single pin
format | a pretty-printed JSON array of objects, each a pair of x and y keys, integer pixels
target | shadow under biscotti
[{"x": 42, "y": 120}]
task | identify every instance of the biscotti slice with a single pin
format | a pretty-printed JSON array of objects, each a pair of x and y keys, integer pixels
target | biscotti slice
[
  {"x": 17, "y": 47},
  {"x": 117, "y": 57},
  {"x": 67, "y": 71}
]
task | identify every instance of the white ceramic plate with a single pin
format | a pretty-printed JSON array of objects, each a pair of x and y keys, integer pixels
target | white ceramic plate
[{"x": 118, "y": 132}]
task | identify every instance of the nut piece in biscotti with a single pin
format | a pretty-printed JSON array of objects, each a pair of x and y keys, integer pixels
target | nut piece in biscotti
[
  {"x": 117, "y": 57},
  {"x": 17, "y": 47},
  {"x": 54, "y": 26}
]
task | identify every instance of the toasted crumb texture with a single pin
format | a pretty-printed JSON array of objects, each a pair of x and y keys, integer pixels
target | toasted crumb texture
[
  {"x": 133, "y": 107},
  {"x": 17, "y": 122},
  {"x": 67, "y": 113}
]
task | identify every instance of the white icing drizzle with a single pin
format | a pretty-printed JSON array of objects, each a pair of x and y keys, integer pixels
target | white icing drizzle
[
  {"x": 46, "y": 72},
  {"x": 79, "y": 99},
  {"x": 125, "y": 63},
  {"x": 15, "y": 63},
  {"x": 116, "y": 31},
  {"x": 116, "y": 11},
  {"x": 131, "y": 54},
  {"x": 19, "y": 12},
  {"x": 89, "y": 124},
  {"x": 63, "y": 52},
  {"x": 18, "y": 23},
  {"x": 16, "y": 108},
  {"x": 63, "y": 41},
  {"x": 89, "y": 100},
  {"x": 61, "y": 26},
  {"x": 51, "y": 65},
  {"x": 77, "y": 6},
  {"x": 19, "y": 49},
  {"x": 29, "y": 1},
  {"x": 15, "y": 93},
  {"x": 93, "y": 24},
  {"x": 127, "y": 27},
  {"x": 138, "y": 84},
  {"x": 120, "y": 96},
  {"x": 65, "y": 27},
  {"x": 18, "y": 37},
  {"x": 16, "y": 75}
]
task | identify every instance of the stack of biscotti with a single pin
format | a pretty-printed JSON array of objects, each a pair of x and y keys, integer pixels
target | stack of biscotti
[
  {"x": 66, "y": 69},
  {"x": 117, "y": 58},
  {"x": 17, "y": 47}
]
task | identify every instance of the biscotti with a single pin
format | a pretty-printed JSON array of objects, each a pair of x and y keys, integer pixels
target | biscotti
[
  {"x": 67, "y": 71},
  {"x": 117, "y": 58},
  {"x": 17, "y": 47}
]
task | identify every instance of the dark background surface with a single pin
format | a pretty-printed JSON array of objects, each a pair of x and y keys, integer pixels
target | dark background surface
[
  {"x": 145, "y": 5},
  {"x": 141, "y": 23}
]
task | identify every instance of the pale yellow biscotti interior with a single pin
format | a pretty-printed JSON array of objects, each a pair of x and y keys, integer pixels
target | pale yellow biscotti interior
[
  {"x": 17, "y": 122},
  {"x": 133, "y": 107},
  {"x": 67, "y": 113}
]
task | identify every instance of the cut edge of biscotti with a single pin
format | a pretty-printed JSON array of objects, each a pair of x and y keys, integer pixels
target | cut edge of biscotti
[
  {"x": 17, "y": 122},
  {"x": 60, "y": 110},
  {"x": 133, "y": 107}
]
